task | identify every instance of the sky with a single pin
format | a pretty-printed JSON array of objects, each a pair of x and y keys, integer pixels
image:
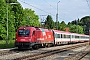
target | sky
[{"x": 68, "y": 10}]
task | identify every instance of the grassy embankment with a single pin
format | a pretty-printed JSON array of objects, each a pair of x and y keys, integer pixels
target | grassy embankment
[{"x": 3, "y": 44}]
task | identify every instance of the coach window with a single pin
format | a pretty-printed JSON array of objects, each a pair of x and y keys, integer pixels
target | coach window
[
  {"x": 68, "y": 36},
  {"x": 76, "y": 36},
  {"x": 55, "y": 35},
  {"x": 65, "y": 36},
  {"x": 87, "y": 37},
  {"x": 73, "y": 36},
  {"x": 81, "y": 37},
  {"x": 58, "y": 35}
]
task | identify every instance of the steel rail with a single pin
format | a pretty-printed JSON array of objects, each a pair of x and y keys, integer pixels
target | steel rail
[{"x": 48, "y": 53}]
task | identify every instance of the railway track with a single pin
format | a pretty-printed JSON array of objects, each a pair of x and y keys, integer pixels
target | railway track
[
  {"x": 7, "y": 52},
  {"x": 48, "y": 53},
  {"x": 80, "y": 55}
]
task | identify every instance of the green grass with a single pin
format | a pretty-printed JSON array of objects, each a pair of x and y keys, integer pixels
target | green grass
[{"x": 3, "y": 44}]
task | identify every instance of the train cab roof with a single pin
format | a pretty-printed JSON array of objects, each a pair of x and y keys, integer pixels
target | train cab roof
[
  {"x": 43, "y": 30},
  {"x": 25, "y": 27}
]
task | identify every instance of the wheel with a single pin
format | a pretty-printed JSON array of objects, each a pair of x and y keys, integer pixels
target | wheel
[
  {"x": 35, "y": 47},
  {"x": 19, "y": 48}
]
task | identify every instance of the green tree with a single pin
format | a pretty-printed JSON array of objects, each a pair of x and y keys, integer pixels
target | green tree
[
  {"x": 85, "y": 22},
  {"x": 15, "y": 14},
  {"x": 49, "y": 23},
  {"x": 62, "y": 26},
  {"x": 2, "y": 19},
  {"x": 30, "y": 18},
  {"x": 59, "y": 25},
  {"x": 75, "y": 28}
]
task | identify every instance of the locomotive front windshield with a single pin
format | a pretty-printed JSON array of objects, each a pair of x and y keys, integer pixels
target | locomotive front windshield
[{"x": 23, "y": 33}]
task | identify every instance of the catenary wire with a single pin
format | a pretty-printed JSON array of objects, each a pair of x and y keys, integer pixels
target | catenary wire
[
  {"x": 38, "y": 8},
  {"x": 56, "y": 9},
  {"x": 88, "y": 4}
]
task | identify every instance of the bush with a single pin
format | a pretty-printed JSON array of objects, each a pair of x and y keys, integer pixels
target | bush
[{"x": 9, "y": 45}]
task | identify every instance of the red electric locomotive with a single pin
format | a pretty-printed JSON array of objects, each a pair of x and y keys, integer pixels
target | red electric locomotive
[{"x": 33, "y": 37}]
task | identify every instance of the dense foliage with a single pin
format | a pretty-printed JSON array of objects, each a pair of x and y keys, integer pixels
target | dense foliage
[
  {"x": 17, "y": 16},
  {"x": 30, "y": 18},
  {"x": 80, "y": 26},
  {"x": 49, "y": 23},
  {"x": 84, "y": 23}
]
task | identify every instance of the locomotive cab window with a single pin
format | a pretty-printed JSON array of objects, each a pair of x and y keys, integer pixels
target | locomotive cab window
[{"x": 23, "y": 32}]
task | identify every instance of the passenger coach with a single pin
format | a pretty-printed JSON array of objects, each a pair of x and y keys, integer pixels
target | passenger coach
[{"x": 62, "y": 37}]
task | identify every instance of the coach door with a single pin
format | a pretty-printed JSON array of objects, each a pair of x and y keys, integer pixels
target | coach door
[{"x": 57, "y": 38}]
